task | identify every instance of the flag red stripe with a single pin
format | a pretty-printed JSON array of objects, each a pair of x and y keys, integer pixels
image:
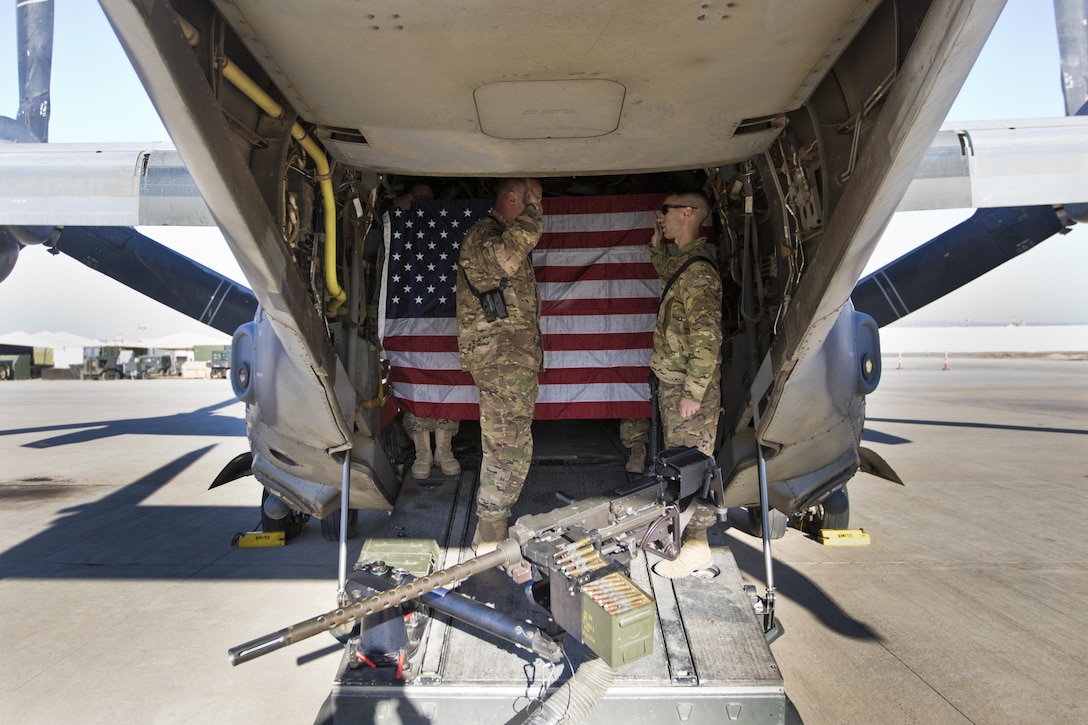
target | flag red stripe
[
  {"x": 544, "y": 411},
  {"x": 601, "y": 341},
  {"x": 449, "y": 411},
  {"x": 431, "y": 377},
  {"x": 555, "y": 376},
  {"x": 589, "y": 376},
  {"x": 596, "y": 239},
  {"x": 420, "y": 343}
]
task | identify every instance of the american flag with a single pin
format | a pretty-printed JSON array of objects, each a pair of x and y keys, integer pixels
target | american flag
[{"x": 598, "y": 292}]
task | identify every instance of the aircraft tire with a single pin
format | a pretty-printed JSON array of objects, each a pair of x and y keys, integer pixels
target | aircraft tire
[
  {"x": 5, "y": 372},
  {"x": 291, "y": 525},
  {"x": 779, "y": 522},
  {"x": 835, "y": 511},
  {"x": 330, "y": 525}
]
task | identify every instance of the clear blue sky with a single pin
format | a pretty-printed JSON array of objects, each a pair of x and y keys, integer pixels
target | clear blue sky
[{"x": 97, "y": 97}]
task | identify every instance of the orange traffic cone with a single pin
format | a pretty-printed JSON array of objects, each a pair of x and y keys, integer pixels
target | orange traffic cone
[
  {"x": 900, "y": 365},
  {"x": 946, "y": 361}
]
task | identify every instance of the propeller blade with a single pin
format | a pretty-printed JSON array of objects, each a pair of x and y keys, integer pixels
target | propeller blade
[
  {"x": 965, "y": 252},
  {"x": 34, "y": 45},
  {"x": 9, "y": 253},
  {"x": 873, "y": 464},
  {"x": 162, "y": 274},
  {"x": 34, "y": 30},
  {"x": 240, "y": 465},
  {"x": 1071, "y": 17}
]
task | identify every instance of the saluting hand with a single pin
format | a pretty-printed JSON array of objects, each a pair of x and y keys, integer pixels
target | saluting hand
[
  {"x": 659, "y": 229},
  {"x": 530, "y": 196}
]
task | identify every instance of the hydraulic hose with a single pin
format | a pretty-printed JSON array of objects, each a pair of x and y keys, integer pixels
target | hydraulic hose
[
  {"x": 241, "y": 81},
  {"x": 476, "y": 613},
  {"x": 578, "y": 696}
]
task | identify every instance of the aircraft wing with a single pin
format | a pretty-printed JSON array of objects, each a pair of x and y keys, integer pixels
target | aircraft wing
[
  {"x": 990, "y": 164},
  {"x": 986, "y": 164},
  {"x": 108, "y": 185}
]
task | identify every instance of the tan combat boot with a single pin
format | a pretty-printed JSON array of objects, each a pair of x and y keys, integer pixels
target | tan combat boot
[
  {"x": 636, "y": 462},
  {"x": 489, "y": 532},
  {"x": 422, "y": 467},
  {"x": 443, "y": 454},
  {"x": 695, "y": 556}
]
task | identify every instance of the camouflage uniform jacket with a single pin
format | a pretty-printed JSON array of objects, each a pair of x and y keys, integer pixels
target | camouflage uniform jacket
[
  {"x": 494, "y": 249},
  {"x": 688, "y": 336}
]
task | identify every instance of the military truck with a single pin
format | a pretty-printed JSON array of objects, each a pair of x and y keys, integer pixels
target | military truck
[
  {"x": 219, "y": 365},
  {"x": 154, "y": 365}
]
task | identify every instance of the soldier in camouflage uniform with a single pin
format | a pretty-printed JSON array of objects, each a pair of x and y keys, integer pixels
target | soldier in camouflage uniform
[
  {"x": 687, "y": 355},
  {"x": 635, "y": 434},
  {"x": 419, "y": 430},
  {"x": 505, "y": 353}
]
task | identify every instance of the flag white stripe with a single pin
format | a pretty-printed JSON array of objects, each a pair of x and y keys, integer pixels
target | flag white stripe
[
  {"x": 421, "y": 326},
  {"x": 601, "y": 289},
  {"x": 425, "y": 360},
  {"x": 553, "y": 360},
  {"x": 590, "y": 256},
  {"x": 596, "y": 359},
  {"x": 606, "y": 222},
  {"x": 549, "y": 325},
  {"x": 596, "y": 324},
  {"x": 592, "y": 393},
  {"x": 436, "y": 393}
]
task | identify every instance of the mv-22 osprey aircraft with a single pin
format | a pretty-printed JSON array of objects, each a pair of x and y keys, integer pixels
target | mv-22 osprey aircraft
[{"x": 805, "y": 122}]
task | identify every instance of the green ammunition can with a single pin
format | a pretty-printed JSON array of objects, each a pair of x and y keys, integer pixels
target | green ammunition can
[
  {"x": 416, "y": 556},
  {"x": 618, "y": 630}
]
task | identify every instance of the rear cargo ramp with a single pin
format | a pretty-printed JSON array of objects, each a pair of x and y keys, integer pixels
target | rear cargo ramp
[{"x": 709, "y": 664}]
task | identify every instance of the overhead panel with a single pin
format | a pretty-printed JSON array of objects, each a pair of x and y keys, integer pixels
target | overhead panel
[
  {"x": 562, "y": 86},
  {"x": 549, "y": 109}
]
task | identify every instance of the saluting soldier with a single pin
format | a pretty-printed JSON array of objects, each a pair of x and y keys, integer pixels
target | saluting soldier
[
  {"x": 498, "y": 335},
  {"x": 687, "y": 354}
]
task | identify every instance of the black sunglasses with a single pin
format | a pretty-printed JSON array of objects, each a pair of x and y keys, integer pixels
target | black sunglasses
[{"x": 665, "y": 207}]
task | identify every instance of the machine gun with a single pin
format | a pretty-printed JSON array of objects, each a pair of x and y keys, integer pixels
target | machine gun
[{"x": 575, "y": 558}]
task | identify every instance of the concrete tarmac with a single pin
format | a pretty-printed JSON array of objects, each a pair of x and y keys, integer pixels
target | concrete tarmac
[
  {"x": 120, "y": 590},
  {"x": 971, "y": 603}
]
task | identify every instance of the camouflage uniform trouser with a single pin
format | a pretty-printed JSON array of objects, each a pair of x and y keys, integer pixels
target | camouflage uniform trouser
[
  {"x": 698, "y": 431},
  {"x": 413, "y": 425},
  {"x": 634, "y": 430},
  {"x": 507, "y": 399}
]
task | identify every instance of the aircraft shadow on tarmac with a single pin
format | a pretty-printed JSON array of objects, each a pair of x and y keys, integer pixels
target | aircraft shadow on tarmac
[
  {"x": 200, "y": 422},
  {"x": 791, "y": 583},
  {"x": 880, "y": 437},
  {"x": 120, "y": 536},
  {"x": 875, "y": 436}
]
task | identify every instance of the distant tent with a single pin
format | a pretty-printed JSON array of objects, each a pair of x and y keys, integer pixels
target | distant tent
[{"x": 47, "y": 339}]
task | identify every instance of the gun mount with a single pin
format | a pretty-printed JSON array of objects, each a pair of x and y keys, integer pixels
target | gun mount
[
  {"x": 575, "y": 559},
  {"x": 577, "y": 602}
]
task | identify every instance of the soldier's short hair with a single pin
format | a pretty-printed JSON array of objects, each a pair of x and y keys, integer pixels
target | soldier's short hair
[{"x": 696, "y": 200}]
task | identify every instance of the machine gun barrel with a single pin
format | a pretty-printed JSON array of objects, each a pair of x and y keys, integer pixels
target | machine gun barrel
[{"x": 507, "y": 554}]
